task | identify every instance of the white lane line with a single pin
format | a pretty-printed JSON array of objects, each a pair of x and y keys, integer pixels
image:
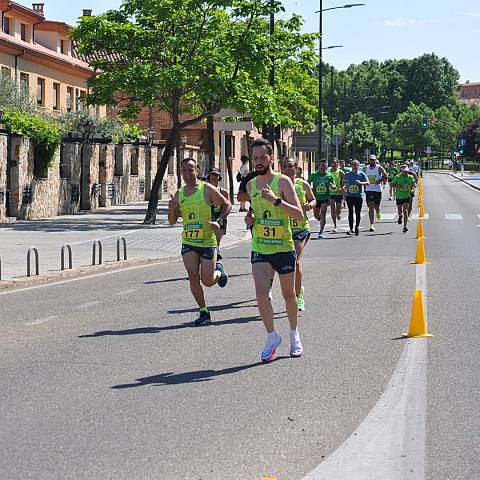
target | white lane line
[
  {"x": 390, "y": 442},
  {"x": 84, "y": 306},
  {"x": 41, "y": 320},
  {"x": 125, "y": 292},
  {"x": 415, "y": 216},
  {"x": 453, "y": 216}
]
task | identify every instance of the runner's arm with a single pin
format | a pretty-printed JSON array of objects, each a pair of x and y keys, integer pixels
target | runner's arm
[
  {"x": 215, "y": 196},
  {"x": 311, "y": 201},
  {"x": 173, "y": 209},
  {"x": 290, "y": 203}
]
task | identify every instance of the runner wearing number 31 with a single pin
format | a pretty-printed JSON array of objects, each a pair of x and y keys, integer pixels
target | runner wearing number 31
[{"x": 274, "y": 202}]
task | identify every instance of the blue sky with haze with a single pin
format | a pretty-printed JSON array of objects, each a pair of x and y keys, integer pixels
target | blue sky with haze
[{"x": 381, "y": 29}]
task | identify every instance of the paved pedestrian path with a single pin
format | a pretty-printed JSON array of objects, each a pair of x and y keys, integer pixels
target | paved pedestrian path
[{"x": 106, "y": 224}]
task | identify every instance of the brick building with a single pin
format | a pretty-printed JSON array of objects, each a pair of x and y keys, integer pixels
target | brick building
[{"x": 470, "y": 93}]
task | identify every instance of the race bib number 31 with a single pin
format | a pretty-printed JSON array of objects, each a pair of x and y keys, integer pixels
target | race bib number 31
[
  {"x": 270, "y": 231},
  {"x": 193, "y": 232}
]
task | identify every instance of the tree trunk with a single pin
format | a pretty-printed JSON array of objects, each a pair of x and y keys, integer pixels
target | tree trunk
[
  {"x": 172, "y": 140},
  {"x": 210, "y": 143},
  {"x": 249, "y": 150},
  {"x": 230, "y": 179}
]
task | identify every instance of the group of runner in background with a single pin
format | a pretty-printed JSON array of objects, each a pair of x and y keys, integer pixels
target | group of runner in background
[{"x": 279, "y": 223}]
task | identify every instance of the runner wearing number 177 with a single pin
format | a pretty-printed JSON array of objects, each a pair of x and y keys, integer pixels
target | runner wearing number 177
[
  {"x": 273, "y": 202},
  {"x": 193, "y": 202}
]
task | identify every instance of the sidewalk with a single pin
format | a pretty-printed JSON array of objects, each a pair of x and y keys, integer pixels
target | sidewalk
[
  {"x": 106, "y": 224},
  {"x": 472, "y": 179}
]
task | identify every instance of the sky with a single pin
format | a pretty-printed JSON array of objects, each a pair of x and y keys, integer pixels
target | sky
[{"x": 379, "y": 30}]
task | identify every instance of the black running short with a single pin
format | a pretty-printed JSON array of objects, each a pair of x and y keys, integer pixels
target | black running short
[
  {"x": 375, "y": 197},
  {"x": 207, "y": 253},
  {"x": 402, "y": 201},
  {"x": 282, "y": 262},
  {"x": 301, "y": 236}
]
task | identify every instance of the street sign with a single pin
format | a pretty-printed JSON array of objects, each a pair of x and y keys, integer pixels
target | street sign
[
  {"x": 233, "y": 126},
  {"x": 337, "y": 140},
  {"x": 428, "y": 150},
  {"x": 230, "y": 112},
  {"x": 462, "y": 142},
  {"x": 307, "y": 142}
]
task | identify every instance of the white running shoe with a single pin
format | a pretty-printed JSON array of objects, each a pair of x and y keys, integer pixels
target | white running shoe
[
  {"x": 296, "y": 347},
  {"x": 268, "y": 353}
]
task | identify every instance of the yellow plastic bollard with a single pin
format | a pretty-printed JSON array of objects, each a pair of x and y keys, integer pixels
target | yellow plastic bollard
[
  {"x": 420, "y": 256},
  {"x": 420, "y": 229}
]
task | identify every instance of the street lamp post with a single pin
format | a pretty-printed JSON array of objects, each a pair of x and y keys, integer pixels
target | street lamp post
[{"x": 320, "y": 68}]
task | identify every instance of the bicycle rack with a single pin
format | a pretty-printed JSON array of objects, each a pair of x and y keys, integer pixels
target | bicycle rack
[
  {"x": 37, "y": 266},
  {"x": 124, "y": 243},
  {"x": 100, "y": 252},
  {"x": 62, "y": 256}
]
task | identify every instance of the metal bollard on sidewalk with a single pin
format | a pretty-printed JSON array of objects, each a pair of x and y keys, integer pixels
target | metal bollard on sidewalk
[
  {"x": 124, "y": 243},
  {"x": 62, "y": 256},
  {"x": 37, "y": 261},
  {"x": 100, "y": 252}
]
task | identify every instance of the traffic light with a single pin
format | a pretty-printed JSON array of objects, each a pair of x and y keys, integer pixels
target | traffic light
[{"x": 424, "y": 122}]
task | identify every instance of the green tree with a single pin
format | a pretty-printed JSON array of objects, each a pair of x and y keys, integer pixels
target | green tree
[{"x": 191, "y": 57}]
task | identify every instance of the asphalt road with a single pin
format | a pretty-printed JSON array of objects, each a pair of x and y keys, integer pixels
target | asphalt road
[{"x": 106, "y": 378}]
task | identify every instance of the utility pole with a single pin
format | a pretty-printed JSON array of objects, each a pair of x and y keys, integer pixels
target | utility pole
[
  {"x": 320, "y": 81},
  {"x": 271, "y": 127}
]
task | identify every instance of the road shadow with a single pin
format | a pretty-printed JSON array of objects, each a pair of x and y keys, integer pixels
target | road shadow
[
  {"x": 181, "y": 279},
  {"x": 399, "y": 338},
  {"x": 180, "y": 326},
  {"x": 379, "y": 234},
  {"x": 217, "y": 308},
  {"x": 196, "y": 376}
]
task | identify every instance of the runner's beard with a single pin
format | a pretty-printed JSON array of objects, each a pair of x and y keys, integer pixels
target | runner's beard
[{"x": 261, "y": 170}]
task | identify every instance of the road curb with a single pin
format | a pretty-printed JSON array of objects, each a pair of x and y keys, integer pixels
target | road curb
[
  {"x": 89, "y": 270},
  {"x": 476, "y": 187}
]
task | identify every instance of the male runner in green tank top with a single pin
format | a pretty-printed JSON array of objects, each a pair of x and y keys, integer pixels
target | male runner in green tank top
[
  {"x": 274, "y": 202},
  {"x": 300, "y": 230},
  {"x": 193, "y": 202}
]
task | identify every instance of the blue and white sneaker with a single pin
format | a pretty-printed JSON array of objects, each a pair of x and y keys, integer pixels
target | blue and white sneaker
[
  {"x": 321, "y": 235},
  {"x": 296, "y": 347},
  {"x": 203, "y": 319},
  {"x": 222, "y": 281},
  {"x": 268, "y": 353}
]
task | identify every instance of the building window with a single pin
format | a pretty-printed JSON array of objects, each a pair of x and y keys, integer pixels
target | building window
[
  {"x": 6, "y": 25},
  {"x": 69, "y": 99},
  {"x": 56, "y": 96},
  {"x": 171, "y": 169},
  {"x": 24, "y": 82},
  {"x": 40, "y": 92},
  {"x": 62, "y": 46},
  {"x": 6, "y": 72},
  {"x": 23, "y": 32}
]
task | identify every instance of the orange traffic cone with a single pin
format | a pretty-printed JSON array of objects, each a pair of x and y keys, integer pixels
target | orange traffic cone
[
  {"x": 419, "y": 229},
  {"x": 420, "y": 256},
  {"x": 422, "y": 212},
  {"x": 418, "y": 323}
]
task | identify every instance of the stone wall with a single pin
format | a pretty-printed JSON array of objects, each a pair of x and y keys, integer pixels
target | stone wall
[{"x": 83, "y": 176}]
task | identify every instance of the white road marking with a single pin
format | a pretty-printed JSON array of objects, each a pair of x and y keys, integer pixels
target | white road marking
[
  {"x": 388, "y": 216},
  {"x": 125, "y": 292},
  {"x": 390, "y": 442},
  {"x": 84, "y": 306},
  {"x": 41, "y": 320},
  {"x": 415, "y": 216},
  {"x": 453, "y": 216}
]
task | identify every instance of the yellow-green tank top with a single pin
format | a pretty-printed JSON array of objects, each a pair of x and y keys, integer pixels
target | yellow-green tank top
[
  {"x": 196, "y": 213},
  {"x": 296, "y": 225},
  {"x": 271, "y": 231}
]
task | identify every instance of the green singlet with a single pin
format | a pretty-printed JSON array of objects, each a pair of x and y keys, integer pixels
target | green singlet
[
  {"x": 337, "y": 181},
  {"x": 392, "y": 172},
  {"x": 321, "y": 184},
  {"x": 298, "y": 226},
  {"x": 196, "y": 213},
  {"x": 271, "y": 231},
  {"x": 405, "y": 186}
]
